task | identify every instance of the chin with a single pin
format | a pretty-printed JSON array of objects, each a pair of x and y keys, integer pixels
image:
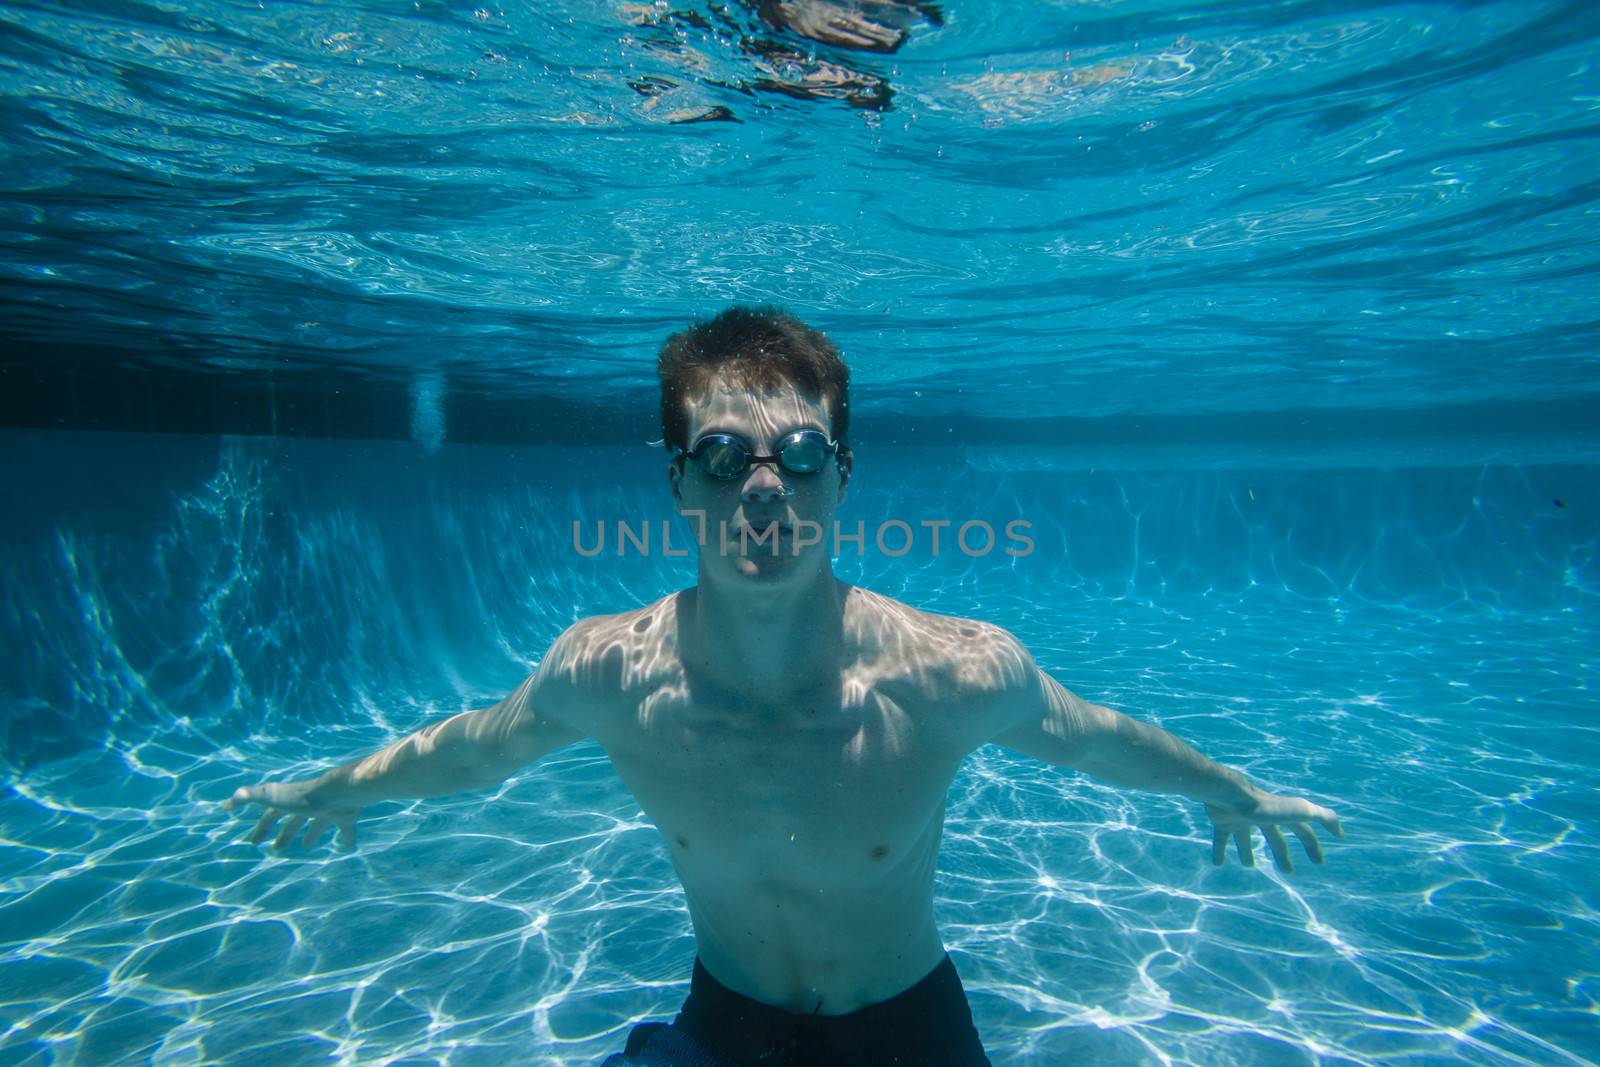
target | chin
[{"x": 766, "y": 568}]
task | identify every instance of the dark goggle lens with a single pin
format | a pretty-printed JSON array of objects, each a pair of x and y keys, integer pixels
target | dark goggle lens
[
  {"x": 723, "y": 459},
  {"x": 804, "y": 454}
]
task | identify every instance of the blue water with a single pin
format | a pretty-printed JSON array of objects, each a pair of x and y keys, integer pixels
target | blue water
[
  {"x": 323, "y": 322},
  {"x": 1412, "y": 647}
]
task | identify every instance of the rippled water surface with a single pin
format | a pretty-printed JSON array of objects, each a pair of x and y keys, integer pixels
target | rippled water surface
[
  {"x": 1276, "y": 320},
  {"x": 1064, "y": 207}
]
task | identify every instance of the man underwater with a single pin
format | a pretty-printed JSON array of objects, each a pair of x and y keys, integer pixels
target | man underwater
[{"x": 792, "y": 736}]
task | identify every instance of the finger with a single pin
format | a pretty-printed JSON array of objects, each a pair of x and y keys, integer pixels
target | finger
[
  {"x": 1308, "y": 838},
  {"x": 269, "y": 819},
  {"x": 314, "y": 834},
  {"x": 1318, "y": 813},
  {"x": 1279, "y": 847},
  {"x": 347, "y": 833},
  {"x": 1219, "y": 848},
  {"x": 1247, "y": 852},
  {"x": 288, "y": 832}
]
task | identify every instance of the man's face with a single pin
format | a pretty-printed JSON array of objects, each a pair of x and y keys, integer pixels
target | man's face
[{"x": 762, "y": 495}]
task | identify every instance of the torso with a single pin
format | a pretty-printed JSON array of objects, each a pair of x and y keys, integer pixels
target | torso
[{"x": 805, "y": 834}]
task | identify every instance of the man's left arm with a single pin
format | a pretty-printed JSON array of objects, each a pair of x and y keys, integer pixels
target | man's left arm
[{"x": 1040, "y": 717}]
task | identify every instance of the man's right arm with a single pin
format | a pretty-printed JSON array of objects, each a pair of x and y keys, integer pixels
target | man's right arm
[{"x": 472, "y": 750}]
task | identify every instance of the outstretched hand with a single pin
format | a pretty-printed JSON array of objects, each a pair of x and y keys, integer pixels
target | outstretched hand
[
  {"x": 310, "y": 802},
  {"x": 1272, "y": 814}
]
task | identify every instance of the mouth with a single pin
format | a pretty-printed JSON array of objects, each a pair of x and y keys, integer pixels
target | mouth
[{"x": 763, "y": 529}]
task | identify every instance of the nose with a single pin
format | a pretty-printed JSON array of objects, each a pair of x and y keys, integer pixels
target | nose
[{"x": 764, "y": 486}]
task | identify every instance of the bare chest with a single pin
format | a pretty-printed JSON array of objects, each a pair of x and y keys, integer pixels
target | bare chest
[{"x": 821, "y": 791}]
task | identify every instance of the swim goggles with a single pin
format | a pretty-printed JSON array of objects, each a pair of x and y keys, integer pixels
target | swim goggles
[{"x": 724, "y": 456}]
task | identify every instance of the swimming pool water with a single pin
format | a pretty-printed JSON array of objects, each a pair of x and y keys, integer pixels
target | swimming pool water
[
  {"x": 1412, "y": 647},
  {"x": 320, "y": 323},
  {"x": 281, "y": 215}
]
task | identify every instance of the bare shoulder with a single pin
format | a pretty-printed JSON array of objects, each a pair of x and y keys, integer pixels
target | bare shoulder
[
  {"x": 606, "y": 656},
  {"x": 943, "y": 659}
]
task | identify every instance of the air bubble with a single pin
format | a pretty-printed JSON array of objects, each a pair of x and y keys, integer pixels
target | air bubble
[{"x": 427, "y": 411}]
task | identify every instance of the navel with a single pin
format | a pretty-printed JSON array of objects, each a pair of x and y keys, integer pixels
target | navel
[
  {"x": 683, "y": 842},
  {"x": 879, "y": 851}
]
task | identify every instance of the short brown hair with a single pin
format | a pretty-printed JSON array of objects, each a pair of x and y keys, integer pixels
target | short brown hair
[{"x": 762, "y": 346}]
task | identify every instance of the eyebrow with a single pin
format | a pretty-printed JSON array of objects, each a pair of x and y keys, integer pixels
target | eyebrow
[{"x": 709, "y": 430}]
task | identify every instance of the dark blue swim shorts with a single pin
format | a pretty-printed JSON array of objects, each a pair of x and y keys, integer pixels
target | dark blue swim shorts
[{"x": 928, "y": 1025}]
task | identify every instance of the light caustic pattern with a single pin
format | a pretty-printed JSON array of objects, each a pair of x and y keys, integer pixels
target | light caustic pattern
[{"x": 1411, "y": 648}]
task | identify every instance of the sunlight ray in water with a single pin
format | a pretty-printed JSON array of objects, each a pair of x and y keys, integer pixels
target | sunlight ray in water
[
  {"x": 324, "y": 324},
  {"x": 1086, "y": 919}
]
